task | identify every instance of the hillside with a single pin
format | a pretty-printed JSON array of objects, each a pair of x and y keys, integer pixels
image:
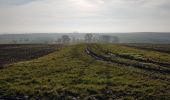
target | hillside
[{"x": 90, "y": 72}]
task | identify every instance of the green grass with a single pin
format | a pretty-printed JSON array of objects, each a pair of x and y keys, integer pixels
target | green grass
[
  {"x": 156, "y": 47},
  {"x": 72, "y": 73}
]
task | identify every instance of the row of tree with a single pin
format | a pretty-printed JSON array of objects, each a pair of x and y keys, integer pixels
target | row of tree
[
  {"x": 65, "y": 39},
  {"x": 89, "y": 38}
]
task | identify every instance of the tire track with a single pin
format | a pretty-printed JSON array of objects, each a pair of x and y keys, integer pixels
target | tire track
[{"x": 137, "y": 64}]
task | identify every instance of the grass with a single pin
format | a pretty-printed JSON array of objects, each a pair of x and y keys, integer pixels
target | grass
[
  {"x": 152, "y": 47},
  {"x": 73, "y": 74}
]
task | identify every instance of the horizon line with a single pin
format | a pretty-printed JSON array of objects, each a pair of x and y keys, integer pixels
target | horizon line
[{"x": 75, "y": 32}]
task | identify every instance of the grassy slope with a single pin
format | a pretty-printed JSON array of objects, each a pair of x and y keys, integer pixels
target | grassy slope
[{"x": 72, "y": 73}]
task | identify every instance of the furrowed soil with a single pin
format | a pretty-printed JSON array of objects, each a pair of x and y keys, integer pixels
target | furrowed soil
[
  {"x": 11, "y": 53},
  {"x": 89, "y": 72}
]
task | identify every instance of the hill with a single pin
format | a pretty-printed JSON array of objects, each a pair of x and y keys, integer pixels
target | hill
[{"x": 90, "y": 72}]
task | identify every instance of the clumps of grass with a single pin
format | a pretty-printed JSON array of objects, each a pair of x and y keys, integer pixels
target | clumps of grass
[{"x": 73, "y": 74}]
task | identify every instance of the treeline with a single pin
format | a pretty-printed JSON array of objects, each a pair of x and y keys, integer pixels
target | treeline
[
  {"x": 88, "y": 38},
  {"x": 53, "y": 38},
  {"x": 66, "y": 39}
]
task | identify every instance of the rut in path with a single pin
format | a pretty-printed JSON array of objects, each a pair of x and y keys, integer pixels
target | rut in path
[
  {"x": 137, "y": 65},
  {"x": 164, "y": 64}
]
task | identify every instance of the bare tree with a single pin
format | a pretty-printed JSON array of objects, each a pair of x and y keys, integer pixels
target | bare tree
[
  {"x": 14, "y": 41},
  {"x": 26, "y": 40},
  {"x": 115, "y": 39},
  {"x": 21, "y": 40},
  {"x": 88, "y": 38},
  {"x": 58, "y": 41},
  {"x": 65, "y": 39},
  {"x": 73, "y": 40},
  {"x": 105, "y": 39}
]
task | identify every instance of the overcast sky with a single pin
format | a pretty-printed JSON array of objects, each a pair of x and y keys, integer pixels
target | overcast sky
[{"x": 18, "y": 16}]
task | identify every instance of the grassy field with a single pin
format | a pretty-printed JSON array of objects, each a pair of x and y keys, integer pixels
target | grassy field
[
  {"x": 152, "y": 47},
  {"x": 90, "y": 72}
]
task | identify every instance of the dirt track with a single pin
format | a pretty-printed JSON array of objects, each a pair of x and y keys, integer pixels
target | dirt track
[{"x": 109, "y": 57}]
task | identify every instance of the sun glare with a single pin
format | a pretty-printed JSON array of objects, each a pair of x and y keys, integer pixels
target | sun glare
[{"x": 87, "y": 4}]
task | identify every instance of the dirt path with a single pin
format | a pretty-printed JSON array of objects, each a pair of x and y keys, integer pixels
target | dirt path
[
  {"x": 139, "y": 64},
  {"x": 147, "y": 69},
  {"x": 163, "y": 64}
]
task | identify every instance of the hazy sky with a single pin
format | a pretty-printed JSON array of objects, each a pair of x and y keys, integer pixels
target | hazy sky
[{"x": 84, "y": 16}]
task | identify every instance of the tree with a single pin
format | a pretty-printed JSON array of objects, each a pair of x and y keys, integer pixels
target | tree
[
  {"x": 21, "y": 40},
  {"x": 73, "y": 40},
  {"x": 88, "y": 38},
  {"x": 65, "y": 39},
  {"x": 115, "y": 39},
  {"x": 58, "y": 41},
  {"x": 105, "y": 39},
  {"x": 14, "y": 41},
  {"x": 26, "y": 40}
]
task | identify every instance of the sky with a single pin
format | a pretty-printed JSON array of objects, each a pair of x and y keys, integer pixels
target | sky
[{"x": 50, "y": 16}]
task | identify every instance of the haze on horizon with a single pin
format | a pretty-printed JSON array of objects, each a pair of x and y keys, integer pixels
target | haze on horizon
[{"x": 24, "y": 16}]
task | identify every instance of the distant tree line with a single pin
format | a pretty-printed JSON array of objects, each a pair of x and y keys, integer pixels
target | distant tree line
[
  {"x": 20, "y": 41},
  {"x": 66, "y": 39},
  {"x": 88, "y": 38}
]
